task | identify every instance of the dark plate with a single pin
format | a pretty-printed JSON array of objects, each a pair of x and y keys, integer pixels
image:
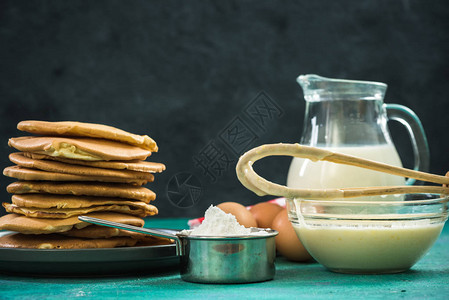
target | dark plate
[{"x": 89, "y": 262}]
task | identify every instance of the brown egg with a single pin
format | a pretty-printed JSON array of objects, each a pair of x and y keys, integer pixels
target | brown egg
[
  {"x": 241, "y": 213},
  {"x": 264, "y": 213},
  {"x": 287, "y": 242}
]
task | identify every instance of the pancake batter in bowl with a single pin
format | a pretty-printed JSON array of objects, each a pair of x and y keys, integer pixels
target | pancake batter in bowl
[{"x": 371, "y": 247}]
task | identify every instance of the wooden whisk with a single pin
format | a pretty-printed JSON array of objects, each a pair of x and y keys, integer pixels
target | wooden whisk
[{"x": 252, "y": 181}]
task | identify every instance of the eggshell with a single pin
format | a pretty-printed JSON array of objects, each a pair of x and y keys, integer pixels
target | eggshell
[
  {"x": 287, "y": 242},
  {"x": 264, "y": 213},
  {"x": 241, "y": 213}
]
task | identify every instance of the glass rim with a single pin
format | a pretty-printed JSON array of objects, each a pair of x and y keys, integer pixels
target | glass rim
[
  {"x": 307, "y": 78},
  {"x": 439, "y": 198},
  {"x": 318, "y": 88}
]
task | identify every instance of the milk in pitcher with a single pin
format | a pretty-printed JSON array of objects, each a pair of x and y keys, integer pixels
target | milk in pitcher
[{"x": 305, "y": 173}]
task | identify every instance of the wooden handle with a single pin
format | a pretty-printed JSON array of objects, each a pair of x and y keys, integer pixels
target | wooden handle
[{"x": 251, "y": 180}]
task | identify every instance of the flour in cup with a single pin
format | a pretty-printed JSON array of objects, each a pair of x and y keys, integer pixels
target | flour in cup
[{"x": 218, "y": 223}]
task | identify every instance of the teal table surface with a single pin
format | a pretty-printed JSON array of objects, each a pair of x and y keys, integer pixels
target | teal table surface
[{"x": 428, "y": 279}]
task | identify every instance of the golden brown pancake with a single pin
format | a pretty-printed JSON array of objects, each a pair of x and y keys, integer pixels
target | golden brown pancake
[
  {"x": 138, "y": 208},
  {"x": 33, "y": 174},
  {"x": 70, "y": 128},
  {"x": 71, "y": 201},
  {"x": 120, "y": 190},
  {"x": 133, "y": 165},
  {"x": 23, "y": 224},
  {"x": 78, "y": 148},
  {"x": 147, "y": 240},
  {"x": 57, "y": 241},
  {"x": 60, "y": 167},
  {"x": 98, "y": 232}
]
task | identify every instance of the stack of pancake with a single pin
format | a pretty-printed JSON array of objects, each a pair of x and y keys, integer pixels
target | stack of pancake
[{"x": 68, "y": 169}]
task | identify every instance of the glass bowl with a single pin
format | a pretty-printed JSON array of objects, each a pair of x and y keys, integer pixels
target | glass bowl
[{"x": 360, "y": 236}]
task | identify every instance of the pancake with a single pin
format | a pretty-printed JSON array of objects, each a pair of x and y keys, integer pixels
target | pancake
[
  {"x": 23, "y": 224},
  {"x": 133, "y": 165},
  {"x": 79, "y": 148},
  {"x": 148, "y": 240},
  {"x": 70, "y": 128},
  {"x": 57, "y": 241},
  {"x": 33, "y": 174},
  {"x": 119, "y": 190},
  {"x": 97, "y": 232},
  {"x": 71, "y": 201},
  {"x": 60, "y": 167},
  {"x": 139, "y": 209}
]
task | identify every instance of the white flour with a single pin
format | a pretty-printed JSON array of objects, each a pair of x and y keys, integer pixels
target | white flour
[{"x": 218, "y": 223}]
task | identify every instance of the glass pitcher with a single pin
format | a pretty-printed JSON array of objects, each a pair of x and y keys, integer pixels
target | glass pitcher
[{"x": 350, "y": 117}]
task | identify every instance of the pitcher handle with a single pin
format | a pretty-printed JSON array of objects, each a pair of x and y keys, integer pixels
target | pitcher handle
[{"x": 410, "y": 120}]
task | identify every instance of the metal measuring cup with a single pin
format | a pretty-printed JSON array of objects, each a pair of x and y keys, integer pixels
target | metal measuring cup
[{"x": 214, "y": 259}]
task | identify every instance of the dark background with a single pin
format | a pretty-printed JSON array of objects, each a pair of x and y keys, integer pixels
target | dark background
[{"x": 182, "y": 71}]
